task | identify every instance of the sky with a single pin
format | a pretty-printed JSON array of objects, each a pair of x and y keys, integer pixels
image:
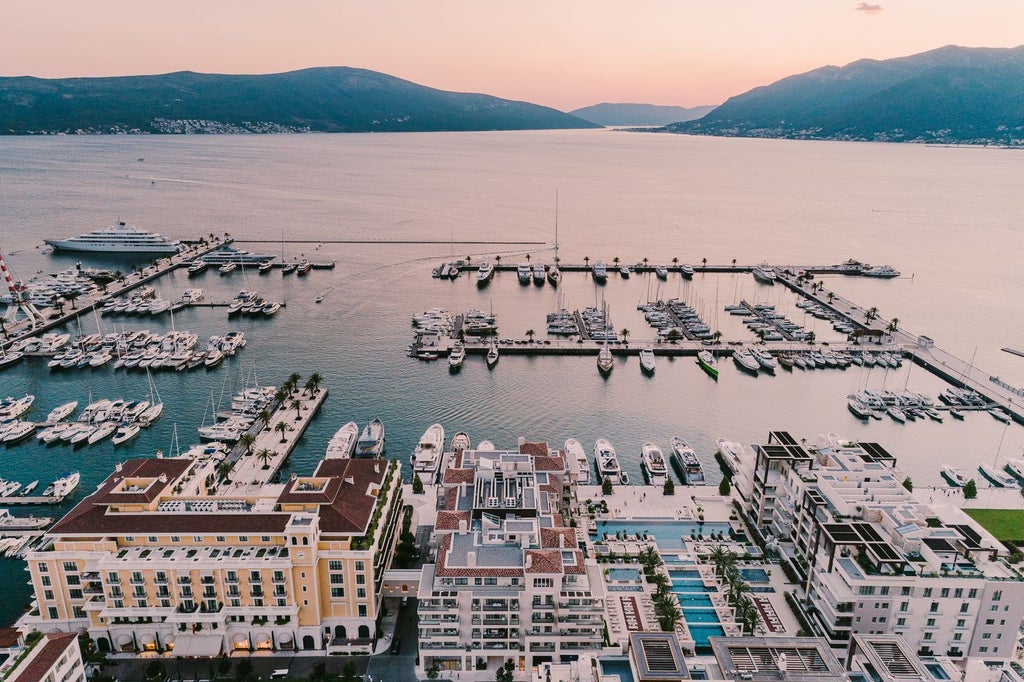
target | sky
[{"x": 560, "y": 53}]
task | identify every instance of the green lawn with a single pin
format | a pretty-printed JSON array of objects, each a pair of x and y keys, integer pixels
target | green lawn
[{"x": 1005, "y": 524}]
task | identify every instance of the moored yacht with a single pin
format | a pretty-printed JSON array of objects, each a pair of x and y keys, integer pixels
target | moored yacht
[
  {"x": 600, "y": 272},
  {"x": 706, "y": 360},
  {"x": 539, "y": 274},
  {"x": 661, "y": 272},
  {"x": 686, "y": 460},
  {"x": 554, "y": 274},
  {"x": 955, "y": 477},
  {"x": 228, "y": 268},
  {"x": 63, "y": 486},
  {"x": 605, "y": 361},
  {"x": 118, "y": 238},
  {"x": 605, "y": 460},
  {"x": 1015, "y": 466},
  {"x": 744, "y": 359},
  {"x": 343, "y": 442},
  {"x": 523, "y": 272},
  {"x": 492, "y": 355},
  {"x": 647, "y": 360},
  {"x": 371, "y": 441},
  {"x": 998, "y": 478},
  {"x": 456, "y": 357},
  {"x": 460, "y": 441},
  {"x": 764, "y": 273},
  {"x": 426, "y": 458},
  {"x": 880, "y": 271},
  {"x": 484, "y": 274},
  {"x": 60, "y": 412},
  {"x": 653, "y": 461},
  {"x": 765, "y": 359},
  {"x": 578, "y": 463}
]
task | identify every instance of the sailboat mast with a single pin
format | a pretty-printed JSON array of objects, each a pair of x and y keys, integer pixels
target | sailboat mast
[{"x": 556, "y": 226}]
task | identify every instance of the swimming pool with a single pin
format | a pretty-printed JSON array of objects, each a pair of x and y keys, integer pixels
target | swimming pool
[
  {"x": 667, "y": 534},
  {"x": 680, "y": 573},
  {"x": 700, "y": 615},
  {"x": 616, "y": 666},
  {"x": 693, "y": 600},
  {"x": 624, "y": 574},
  {"x": 690, "y": 586},
  {"x": 754, "y": 575},
  {"x": 700, "y": 634}
]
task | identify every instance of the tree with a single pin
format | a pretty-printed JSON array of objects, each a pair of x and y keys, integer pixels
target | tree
[
  {"x": 312, "y": 386},
  {"x": 530, "y": 334},
  {"x": 616, "y": 261},
  {"x": 723, "y": 560},
  {"x": 586, "y": 260},
  {"x": 293, "y": 381},
  {"x": 871, "y": 314},
  {"x": 734, "y": 262},
  {"x": 497, "y": 259},
  {"x": 749, "y": 619},
  {"x": 606, "y": 486},
  {"x": 417, "y": 485},
  {"x": 224, "y": 470},
  {"x": 281, "y": 428},
  {"x": 279, "y": 395},
  {"x": 810, "y": 337},
  {"x": 434, "y": 671},
  {"x": 894, "y": 324},
  {"x": 670, "y": 486},
  {"x": 527, "y": 258},
  {"x": 704, "y": 261},
  {"x": 675, "y": 262},
  {"x": 71, "y": 296},
  {"x": 737, "y": 588},
  {"x": 725, "y": 487},
  {"x": 505, "y": 673},
  {"x": 297, "y": 406},
  {"x": 668, "y": 613},
  {"x": 264, "y": 456},
  {"x": 830, "y": 296},
  {"x": 908, "y": 484},
  {"x": 264, "y": 416},
  {"x": 645, "y": 262},
  {"x": 970, "y": 490},
  {"x": 247, "y": 440},
  {"x": 625, "y": 335},
  {"x": 650, "y": 559}
]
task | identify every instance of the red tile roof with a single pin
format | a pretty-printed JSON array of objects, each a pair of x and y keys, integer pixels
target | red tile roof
[
  {"x": 352, "y": 505},
  {"x": 151, "y": 467},
  {"x": 549, "y": 538},
  {"x": 456, "y": 476},
  {"x": 543, "y": 561},
  {"x": 545, "y": 463},
  {"x": 442, "y": 570},
  {"x": 50, "y": 651},
  {"x": 449, "y": 520},
  {"x": 538, "y": 449}
]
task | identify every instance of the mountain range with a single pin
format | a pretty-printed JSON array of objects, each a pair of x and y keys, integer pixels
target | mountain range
[
  {"x": 949, "y": 95},
  {"x": 621, "y": 114},
  {"x": 326, "y": 99}
]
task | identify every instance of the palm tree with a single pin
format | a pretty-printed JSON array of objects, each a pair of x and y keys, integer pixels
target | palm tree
[
  {"x": 704, "y": 261},
  {"x": 265, "y": 456},
  {"x": 297, "y": 406},
  {"x": 831, "y": 295},
  {"x": 737, "y": 588},
  {"x": 71, "y": 296},
  {"x": 586, "y": 261},
  {"x": 247, "y": 441},
  {"x": 616, "y": 261},
  {"x": 722, "y": 558},
  {"x": 625, "y": 335},
  {"x": 530, "y": 334},
  {"x": 871, "y": 314},
  {"x": 281, "y": 428},
  {"x": 645, "y": 262},
  {"x": 668, "y": 613},
  {"x": 224, "y": 470},
  {"x": 280, "y": 394},
  {"x": 675, "y": 262},
  {"x": 310, "y": 387},
  {"x": 293, "y": 381},
  {"x": 497, "y": 259},
  {"x": 734, "y": 262},
  {"x": 894, "y": 324},
  {"x": 264, "y": 416},
  {"x": 527, "y": 258}
]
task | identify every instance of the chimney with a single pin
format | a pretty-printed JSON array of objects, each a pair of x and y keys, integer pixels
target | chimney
[
  {"x": 376, "y": 468},
  {"x": 561, "y": 541},
  {"x": 471, "y": 559},
  {"x": 529, "y": 561},
  {"x": 118, "y": 467},
  {"x": 463, "y": 526},
  {"x": 350, "y": 480}
]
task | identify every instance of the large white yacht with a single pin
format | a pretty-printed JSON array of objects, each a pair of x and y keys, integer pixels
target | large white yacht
[
  {"x": 426, "y": 458},
  {"x": 647, "y": 360},
  {"x": 343, "y": 442},
  {"x": 578, "y": 462},
  {"x": 118, "y": 238},
  {"x": 605, "y": 460},
  {"x": 765, "y": 273},
  {"x": 654, "y": 463},
  {"x": 371, "y": 441}
]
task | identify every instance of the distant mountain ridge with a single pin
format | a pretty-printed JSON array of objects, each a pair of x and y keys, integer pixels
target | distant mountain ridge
[
  {"x": 949, "y": 95},
  {"x": 324, "y": 99},
  {"x": 627, "y": 114}
]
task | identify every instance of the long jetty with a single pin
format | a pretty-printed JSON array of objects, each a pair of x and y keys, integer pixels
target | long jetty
[
  {"x": 253, "y": 469},
  {"x": 53, "y": 318}
]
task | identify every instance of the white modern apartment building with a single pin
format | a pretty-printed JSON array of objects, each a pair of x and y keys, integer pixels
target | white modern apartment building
[
  {"x": 874, "y": 559},
  {"x": 510, "y": 581}
]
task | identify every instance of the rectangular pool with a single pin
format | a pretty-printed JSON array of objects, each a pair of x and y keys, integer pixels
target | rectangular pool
[
  {"x": 754, "y": 575},
  {"x": 687, "y": 574},
  {"x": 624, "y": 574},
  {"x": 616, "y": 666},
  {"x": 701, "y": 633},
  {"x": 700, "y": 615},
  {"x": 693, "y": 600},
  {"x": 690, "y": 586}
]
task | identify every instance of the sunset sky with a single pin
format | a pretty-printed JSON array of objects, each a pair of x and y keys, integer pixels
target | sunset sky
[{"x": 561, "y": 53}]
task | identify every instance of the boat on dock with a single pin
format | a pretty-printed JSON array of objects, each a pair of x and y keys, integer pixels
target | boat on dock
[
  {"x": 426, "y": 458},
  {"x": 858, "y": 408},
  {"x": 764, "y": 358},
  {"x": 303, "y": 268},
  {"x": 371, "y": 440},
  {"x": 10, "y": 522},
  {"x": 125, "y": 433},
  {"x": 647, "y": 360},
  {"x": 484, "y": 274},
  {"x": 492, "y": 355},
  {"x": 954, "y": 476},
  {"x": 661, "y": 272},
  {"x": 898, "y": 415},
  {"x": 18, "y": 431},
  {"x": 118, "y": 238},
  {"x": 605, "y": 460},
  {"x": 1015, "y": 467},
  {"x": 599, "y": 272},
  {"x": 61, "y": 412},
  {"x": 104, "y": 430},
  {"x": 685, "y": 458},
  {"x": 289, "y": 269},
  {"x": 265, "y": 267},
  {"x": 456, "y": 357},
  {"x": 227, "y": 268},
  {"x": 744, "y": 359},
  {"x": 523, "y": 272},
  {"x": 12, "y": 408},
  {"x": 999, "y": 415},
  {"x": 605, "y": 361},
  {"x": 706, "y": 360},
  {"x": 653, "y": 461},
  {"x": 579, "y": 465},
  {"x": 63, "y": 486},
  {"x": 686, "y": 270},
  {"x": 999, "y": 479},
  {"x": 764, "y": 273},
  {"x": 197, "y": 268},
  {"x": 880, "y": 271},
  {"x": 460, "y": 441}
]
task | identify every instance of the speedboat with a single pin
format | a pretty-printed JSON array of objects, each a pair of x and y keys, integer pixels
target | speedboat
[
  {"x": 371, "y": 440},
  {"x": 303, "y": 268},
  {"x": 625, "y": 271},
  {"x": 955, "y": 477},
  {"x": 746, "y": 360},
  {"x": 523, "y": 272},
  {"x": 706, "y": 360},
  {"x": 265, "y": 267},
  {"x": 600, "y": 272},
  {"x": 686, "y": 459},
  {"x": 197, "y": 267},
  {"x": 578, "y": 463},
  {"x": 897, "y": 414},
  {"x": 538, "y": 274},
  {"x": 343, "y": 442},
  {"x": 456, "y": 357},
  {"x": 8, "y": 359},
  {"x": 1015, "y": 467},
  {"x": 63, "y": 486},
  {"x": 654, "y": 463},
  {"x": 686, "y": 270},
  {"x": 605, "y": 460},
  {"x": 998, "y": 478},
  {"x": 765, "y": 359},
  {"x": 661, "y": 272},
  {"x": 289, "y": 269},
  {"x": 647, "y": 360},
  {"x": 426, "y": 458},
  {"x": 492, "y": 355},
  {"x": 102, "y": 431},
  {"x": 623, "y": 477},
  {"x": 60, "y": 412},
  {"x": 461, "y": 441},
  {"x": 880, "y": 271},
  {"x": 764, "y": 273},
  {"x": 126, "y": 433},
  {"x": 605, "y": 361},
  {"x": 554, "y": 275},
  {"x": 999, "y": 415},
  {"x": 227, "y": 268},
  {"x": 484, "y": 274}
]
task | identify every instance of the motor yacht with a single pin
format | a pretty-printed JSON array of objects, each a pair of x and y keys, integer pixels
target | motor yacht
[
  {"x": 117, "y": 238},
  {"x": 999, "y": 479},
  {"x": 600, "y": 272},
  {"x": 579, "y": 465},
  {"x": 484, "y": 274},
  {"x": 744, "y": 359},
  {"x": 456, "y": 357},
  {"x": 647, "y": 360},
  {"x": 764, "y": 273},
  {"x": 686, "y": 460},
  {"x": 706, "y": 360},
  {"x": 371, "y": 440},
  {"x": 605, "y": 460},
  {"x": 524, "y": 273},
  {"x": 539, "y": 273},
  {"x": 956, "y": 477},
  {"x": 653, "y": 461},
  {"x": 426, "y": 458}
]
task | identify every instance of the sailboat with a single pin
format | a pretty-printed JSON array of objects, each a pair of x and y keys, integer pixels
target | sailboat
[
  {"x": 554, "y": 274},
  {"x": 156, "y": 406},
  {"x": 492, "y": 355}
]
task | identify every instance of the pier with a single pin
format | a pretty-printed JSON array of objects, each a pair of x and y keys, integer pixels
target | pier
[
  {"x": 132, "y": 280},
  {"x": 30, "y": 499},
  {"x": 253, "y": 469}
]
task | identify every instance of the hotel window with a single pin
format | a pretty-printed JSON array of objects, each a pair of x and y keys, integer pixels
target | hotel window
[
  {"x": 152, "y": 538},
  {"x": 255, "y": 577},
  {"x": 79, "y": 612},
  {"x": 934, "y": 608},
  {"x": 928, "y": 636},
  {"x": 75, "y": 594},
  {"x": 52, "y": 611},
  {"x": 960, "y": 622},
  {"x": 129, "y": 538},
  {"x": 986, "y": 635},
  {"x": 74, "y": 580},
  {"x": 197, "y": 538},
  {"x": 142, "y": 603},
  {"x": 278, "y": 576},
  {"x": 43, "y": 568},
  {"x": 360, "y": 593},
  {"x": 71, "y": 566},
  {"x": 337, "y": 592},
  {"x": 257, "y": 601},
  {"x": 972, "y": 593},
  {"x": 958, "y": 593},
  {"x": 905, "y": 591},
  {"x": 997, "y": 595},
  {"x": 490, "y": 581},
  {"x": 265, "y": 538},
  {"x": 282, "y": 602},
  {"x": 334, "y": 565},
  {"x": 118, "y": 604},
  {"x": 983, "y": 649},
  {"x": 944, "y": 593},
  {"x": 930, "y": 623},
  {"x": 964, "y": 607},
  {"x": 236, "y": 602},
  {"x": 45, "y": 580},
  {"x": 476, "y": 581},
  {"x": 901, "y": 621},
  {"x": 48, "y": 595},
  {"x": 221, "y": 538},
  {"x": 904, "y": 606},
  {"x": 175, "y": 538},
  {"x": 337, "y": 579},
  {"x": 243, "y": 538},
  {"x": 957, "y": 637},
  {"x": 884, "y": 590},
  {"x": 362, "y": 611},
  {"x": 927, "y": 592},
  {"x": 165, "y": 603},
  {"x": 360, "y": 565}
]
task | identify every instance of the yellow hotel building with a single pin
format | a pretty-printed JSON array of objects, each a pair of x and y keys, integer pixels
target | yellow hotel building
[{"x": 157, "y": 560}]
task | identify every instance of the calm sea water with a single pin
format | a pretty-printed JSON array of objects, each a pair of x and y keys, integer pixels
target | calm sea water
[{"x": 949, "y": 219}]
